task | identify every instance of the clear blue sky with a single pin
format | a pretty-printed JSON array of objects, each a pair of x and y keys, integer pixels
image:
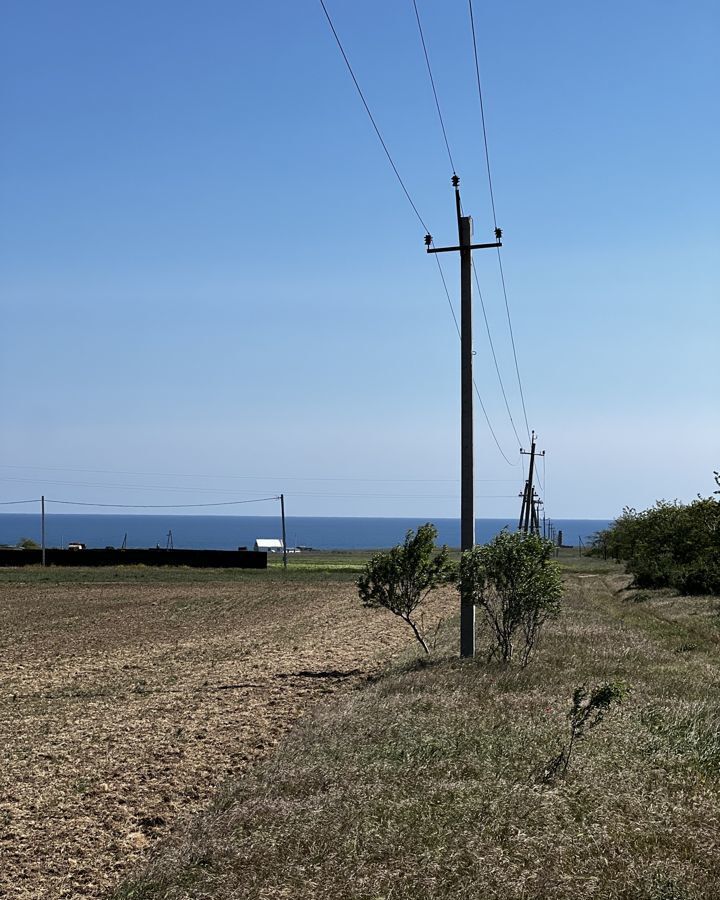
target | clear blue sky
[{"x": 208, "y": 268}]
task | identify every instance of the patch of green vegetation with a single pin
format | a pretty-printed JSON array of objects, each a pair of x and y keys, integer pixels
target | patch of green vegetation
[
  {"x": 345, "y": 567},
  {"x": 670, "y": 545}
]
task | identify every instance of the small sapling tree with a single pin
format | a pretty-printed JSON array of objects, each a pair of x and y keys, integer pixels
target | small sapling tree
[
  {"x": 587, "y": 712},
  {"x": 400, "y": 579},
  {"x": 517, "y": 585}
]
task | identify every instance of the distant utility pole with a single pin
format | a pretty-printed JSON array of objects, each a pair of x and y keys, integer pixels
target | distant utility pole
[
  {"x": 537, "y": 503},
  {"x": 42, "y": 528},
  {"x": 529, "y": 518},
  {"x": 467, "y": 487},
  {"x": 282, "y": 515}
]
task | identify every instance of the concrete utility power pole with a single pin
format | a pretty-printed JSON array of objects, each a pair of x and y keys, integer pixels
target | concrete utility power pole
[
  {"x": 467, "y": 485},
  {"x": 42, "y": 530},
  {"x": 282, "y": 515},
  {"x": 529, "y": 518}
]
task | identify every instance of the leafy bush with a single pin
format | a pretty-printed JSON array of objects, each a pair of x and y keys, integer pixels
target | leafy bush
[
  {"x": 670, "y": 545},
  {"x": 400, "y": 579},
  {"x": 517, "y": 585}
]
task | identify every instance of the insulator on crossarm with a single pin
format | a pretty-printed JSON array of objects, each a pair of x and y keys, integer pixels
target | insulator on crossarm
[{"x": 428, "y": 240}]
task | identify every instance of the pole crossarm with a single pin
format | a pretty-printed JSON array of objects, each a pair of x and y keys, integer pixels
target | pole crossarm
[{"x": 470, "y": 247}]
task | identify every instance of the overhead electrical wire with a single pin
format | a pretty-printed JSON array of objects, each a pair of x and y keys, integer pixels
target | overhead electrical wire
[
  {"x": 126, "y": 487},
  {"x": 158, "y": 505},
  {"x": 372, "y": 119},
  {"x": 402, "y": 183},
  {"x": 223, "y": 475},
  {"x": 291, "y": 493},
  {"x": 477, "y": 392},
  {"x": 50, "y": 500},
  {"x": 494, "y": 356},
  {"x": 477, "y": 282},
  {"x": 492, "y": 203},
  {"x": 482, "y": 113},
  {"x": 432, "y": 82}
]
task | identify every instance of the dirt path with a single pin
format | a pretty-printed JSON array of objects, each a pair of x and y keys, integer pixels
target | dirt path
[{"x": 124, "y": 706}]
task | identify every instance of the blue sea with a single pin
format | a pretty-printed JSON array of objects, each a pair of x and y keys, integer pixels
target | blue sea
[{"x": 231, "y": 532}]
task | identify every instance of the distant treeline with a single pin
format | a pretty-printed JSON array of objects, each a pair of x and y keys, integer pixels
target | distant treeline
[{"x": 670, "y": 545}]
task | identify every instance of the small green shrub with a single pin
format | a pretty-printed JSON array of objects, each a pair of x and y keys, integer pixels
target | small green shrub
[
  {"x": 518, "y": 587},
  {"x": 588, "y": 709},
  {"x": 400, "y": 579}
]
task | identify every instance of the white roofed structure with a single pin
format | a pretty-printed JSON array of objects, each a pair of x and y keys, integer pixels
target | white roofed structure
[{"x": 269, "y": 545}]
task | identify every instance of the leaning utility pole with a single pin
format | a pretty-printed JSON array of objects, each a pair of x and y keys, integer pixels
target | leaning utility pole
[{"x": 467, "y": 486}]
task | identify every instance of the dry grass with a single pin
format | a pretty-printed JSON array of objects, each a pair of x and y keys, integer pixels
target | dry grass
[
  {"x": 126, "y": 703},
  {"x": 428, "y": 783}
]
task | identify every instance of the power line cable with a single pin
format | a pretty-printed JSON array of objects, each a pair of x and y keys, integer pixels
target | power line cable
[
  {"x": 494, "y": 356},
  {"x": 216, "y": 475},
  {"x": 477, "y": 392},
  {"x": 482, "y": 113},
  {"x": 260, "y": 500},
  {"x": 127, "y": 487},
  {"x": 452, "y": 164},
  {"x": 492, "y": 203},
  {"x": 512, "y": 341},
  {"x": 432, "y": 82},
  {"x": 372, "y": 119},
  {"x": 447, "y": 292},
  {"x": 402, "y": 183},
  {"x": 16, "y": 502},
  {"x": 157, "y": 505},
  {"x": 394, "y": 496}
]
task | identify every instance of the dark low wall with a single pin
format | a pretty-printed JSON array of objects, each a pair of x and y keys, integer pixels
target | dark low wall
[{"x": 203, "y": 559}]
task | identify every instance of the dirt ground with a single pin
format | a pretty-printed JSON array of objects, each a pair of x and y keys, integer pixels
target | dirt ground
[{"x": 124, "y": 706}]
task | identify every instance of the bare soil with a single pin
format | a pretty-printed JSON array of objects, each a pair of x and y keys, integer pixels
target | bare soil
[
  {"x": 124, "y": 706},
  {"x": 435, "y": 781}
]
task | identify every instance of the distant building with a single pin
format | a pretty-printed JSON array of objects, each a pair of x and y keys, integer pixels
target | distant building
[{"x": 269, "y": 545}]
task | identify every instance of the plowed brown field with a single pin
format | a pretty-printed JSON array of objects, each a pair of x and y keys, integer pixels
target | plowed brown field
[{"x": 123, "y": 706}]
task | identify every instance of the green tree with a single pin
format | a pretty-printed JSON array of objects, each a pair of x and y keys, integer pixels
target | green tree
[
  {"x": 400, "y": 579},
  {"x": 518, "y": 587},
  {"x": 669, "y": 545},
  {"x": 28, "y": 544}
]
